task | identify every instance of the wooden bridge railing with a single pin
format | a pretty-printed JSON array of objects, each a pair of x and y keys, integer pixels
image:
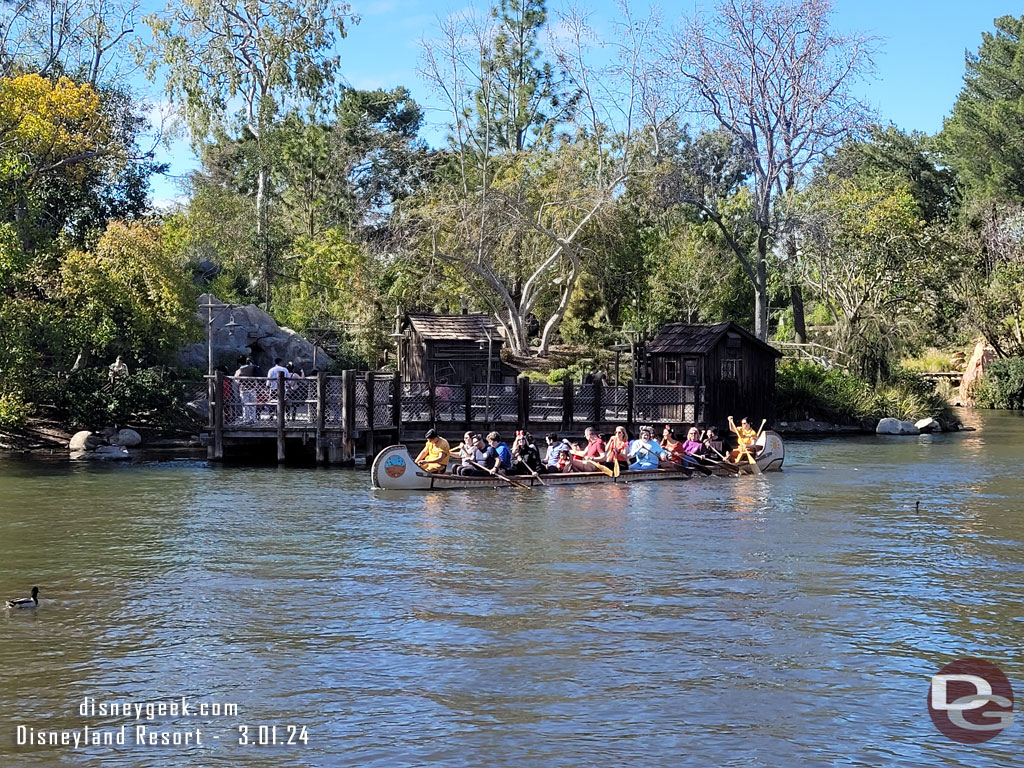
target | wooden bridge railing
[{"x": 354, "y": 402}]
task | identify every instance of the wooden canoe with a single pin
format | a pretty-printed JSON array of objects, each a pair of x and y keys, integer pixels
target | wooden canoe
[{"x": 394, "y": 470}]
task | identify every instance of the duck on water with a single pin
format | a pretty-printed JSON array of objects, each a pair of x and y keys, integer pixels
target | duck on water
[{"x": 25, "y": 602}]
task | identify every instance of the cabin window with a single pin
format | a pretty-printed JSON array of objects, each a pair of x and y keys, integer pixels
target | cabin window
[
  {"x": 690, "y": 372},
  {"x": 731, "y": 369},
  {"x": 671, "y": 371}
]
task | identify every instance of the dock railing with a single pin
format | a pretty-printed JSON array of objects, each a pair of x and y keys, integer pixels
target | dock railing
[{"x": 358, "y": 402}]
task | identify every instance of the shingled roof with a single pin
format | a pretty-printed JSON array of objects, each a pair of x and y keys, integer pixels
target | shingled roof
[
  {"x": 451, "y": 327},
  {"x": 686, "y": 339}
]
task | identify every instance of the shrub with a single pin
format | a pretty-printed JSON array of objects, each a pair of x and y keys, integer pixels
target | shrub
[
  {"x": 14, "y": 411},
  {"x": 1003, "y": 385},
  {"x": 85, "y": 399},
  {"x": 806, "y": 390}
]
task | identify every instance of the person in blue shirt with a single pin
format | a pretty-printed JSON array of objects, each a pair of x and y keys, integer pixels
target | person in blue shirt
[
  {"x": 501, "y": 451},
  {"x": 644, "y": 452},
  {"x": 559, "y": 455}
]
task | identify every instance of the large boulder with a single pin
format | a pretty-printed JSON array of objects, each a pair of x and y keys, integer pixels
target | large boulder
[
  {"x": 243, "y": 331},
  {"x": 974, "y": 371},
  {"x": 896, "y": 427},
  {"x": 928, "y": 425},
  {"x": 128, "y": 438},
  {"x": 85, "y": 441}
]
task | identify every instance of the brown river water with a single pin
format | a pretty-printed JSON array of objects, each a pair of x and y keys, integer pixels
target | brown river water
[{"x": 783, "y": 620}]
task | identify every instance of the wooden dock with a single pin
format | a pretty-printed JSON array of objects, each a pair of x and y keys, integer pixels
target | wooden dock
[{"x": 349, "y": 418}]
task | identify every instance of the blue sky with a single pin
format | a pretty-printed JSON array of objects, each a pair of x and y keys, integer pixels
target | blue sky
[{"x": 920, "y": 64}]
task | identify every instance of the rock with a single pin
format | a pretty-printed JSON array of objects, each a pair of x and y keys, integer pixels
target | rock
[
  {"x": 128, "y": 438},
  {"x": 110, "y": 452},
  {"x": 928, "y": 425},
  {"x": 199, "y": 408},
  {"x": 85, "y": 441},
  {"x": 254, "y": 333},
  {"x": 896, "y": 427},
  {"x": 981, "y": 358}
]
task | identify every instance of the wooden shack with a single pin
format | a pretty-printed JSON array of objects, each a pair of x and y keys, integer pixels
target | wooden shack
[
  {"x": 733, "y": 369},
  {"x": 452, "y": 349}
]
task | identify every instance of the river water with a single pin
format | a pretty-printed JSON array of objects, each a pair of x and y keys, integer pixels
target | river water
[{"x": 789, "y": 619}]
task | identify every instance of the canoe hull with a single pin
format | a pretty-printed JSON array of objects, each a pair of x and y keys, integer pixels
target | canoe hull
[
  {"x": 768, "y": 459},
  {"x": 394, "y": 470}
]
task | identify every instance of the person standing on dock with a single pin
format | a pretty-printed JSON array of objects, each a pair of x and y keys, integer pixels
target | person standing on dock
[{"x": 435, "y": 454}]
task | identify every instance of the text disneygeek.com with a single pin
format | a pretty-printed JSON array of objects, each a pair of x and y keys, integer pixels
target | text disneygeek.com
[{"x": 153, "y": 734}]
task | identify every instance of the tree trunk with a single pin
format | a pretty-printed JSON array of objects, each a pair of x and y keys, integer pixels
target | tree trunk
[
  {"x": 261, "y": 233},
  {"x": 796, "y": 295},
  {"x": 761, "y": 287}
]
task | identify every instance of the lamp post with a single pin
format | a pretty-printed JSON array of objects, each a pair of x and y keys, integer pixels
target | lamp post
[
  {"x": 210, "y": 317},
  {"x": 490, "y": 356}
]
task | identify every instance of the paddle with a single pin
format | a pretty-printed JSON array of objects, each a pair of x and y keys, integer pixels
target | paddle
[
  {"x": 725, "y": 460},
  {"x": 615, "y": 469},
  {"x": 692, "y": 467},
  {"x": 531, "y": 472},
  {"x": 600, "y": 467},
  {"x": 508, "y": 480}
]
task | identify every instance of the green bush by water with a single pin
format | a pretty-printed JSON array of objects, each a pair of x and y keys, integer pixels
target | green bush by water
[
  {"x": 805, "y": 390},
  {"x": 1003, "y": 385}
]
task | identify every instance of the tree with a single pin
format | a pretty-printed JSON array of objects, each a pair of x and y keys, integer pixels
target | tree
[
  {"x": 891, "y": 155},
  {"x": 129, "y": 295},
  {"x": 994, "y": 288},
  {"x": 777, "y": 78},
  {"x": 982, "y": 138},
  {"x": 256, "y": 55},
  {"x": 504, "y": 212},
  {"x": 873, "y": 263},
  {"x": 81, "y": 38}
]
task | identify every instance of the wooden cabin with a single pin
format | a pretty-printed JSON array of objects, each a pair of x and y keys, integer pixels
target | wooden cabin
[
  {"x": 451, "y": 349},
  {"x": 735, "y": 369}
]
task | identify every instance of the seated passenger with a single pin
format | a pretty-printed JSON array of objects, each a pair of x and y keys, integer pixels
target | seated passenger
[
  {"x": 435, "y": 454},
  {"x": 585, "y": 458},
  {"x": 645, "y": 451},
  {"x": 559, "y": 454},
  {"x": 713, "y": 443},
  {"x": 504, "y": 463},
  {"x": 525, "y": 455},
  {"x": 746, "y": 436},
  {"x": 618, "y": 447},
  {"x": 693, "y": 446}
]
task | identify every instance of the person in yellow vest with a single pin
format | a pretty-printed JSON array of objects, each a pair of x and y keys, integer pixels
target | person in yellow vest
[
  {"x": 746, "y": 436},
  {"x": 435, "y": 454}
]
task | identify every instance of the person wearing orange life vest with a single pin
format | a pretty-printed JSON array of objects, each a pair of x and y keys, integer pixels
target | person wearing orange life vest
[{"x": 746, "y": 437}]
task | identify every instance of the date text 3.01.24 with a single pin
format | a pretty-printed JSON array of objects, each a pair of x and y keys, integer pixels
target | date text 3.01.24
[{"x": 270, "y": 735}]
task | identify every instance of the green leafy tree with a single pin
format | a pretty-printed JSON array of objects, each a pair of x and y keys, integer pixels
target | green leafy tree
[
  {"x": 983, "y": 136},
  {"x": 233, "y": 65}
]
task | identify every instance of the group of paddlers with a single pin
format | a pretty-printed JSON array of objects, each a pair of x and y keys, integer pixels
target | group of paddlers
[{"x": 478, "y": 455}]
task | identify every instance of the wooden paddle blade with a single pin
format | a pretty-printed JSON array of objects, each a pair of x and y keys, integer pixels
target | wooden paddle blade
[
  {"x": 601, "y": 468},
  {"x": 616, "y": 470}
]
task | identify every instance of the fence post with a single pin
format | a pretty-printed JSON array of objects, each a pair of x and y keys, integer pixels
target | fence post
[
  {"x": 370, "y": 404},
  {"x": 396, "y": 405},
  {"x": 468, "y": 389},
  {"x": 567, "y": 404},
  {"x": 598, "y": 409},
  {"x": 348, "y": 403},
  {"x": 280, "y": 415},
  {"x": 211, "y": 398},
  {"x": 218, "y": 416},
  {"x": 321, "y": 405},
  {"x": 630, "y": 403},
  {"x": 523, "y": 401}
]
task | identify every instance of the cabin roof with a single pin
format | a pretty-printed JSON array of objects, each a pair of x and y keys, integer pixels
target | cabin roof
[
  {"x": 698, "y": 339},
  {"x": 451, "y": 327}
]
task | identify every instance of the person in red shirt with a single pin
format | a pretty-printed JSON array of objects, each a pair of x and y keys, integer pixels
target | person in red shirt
[{"x": 594, "y": 453}]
